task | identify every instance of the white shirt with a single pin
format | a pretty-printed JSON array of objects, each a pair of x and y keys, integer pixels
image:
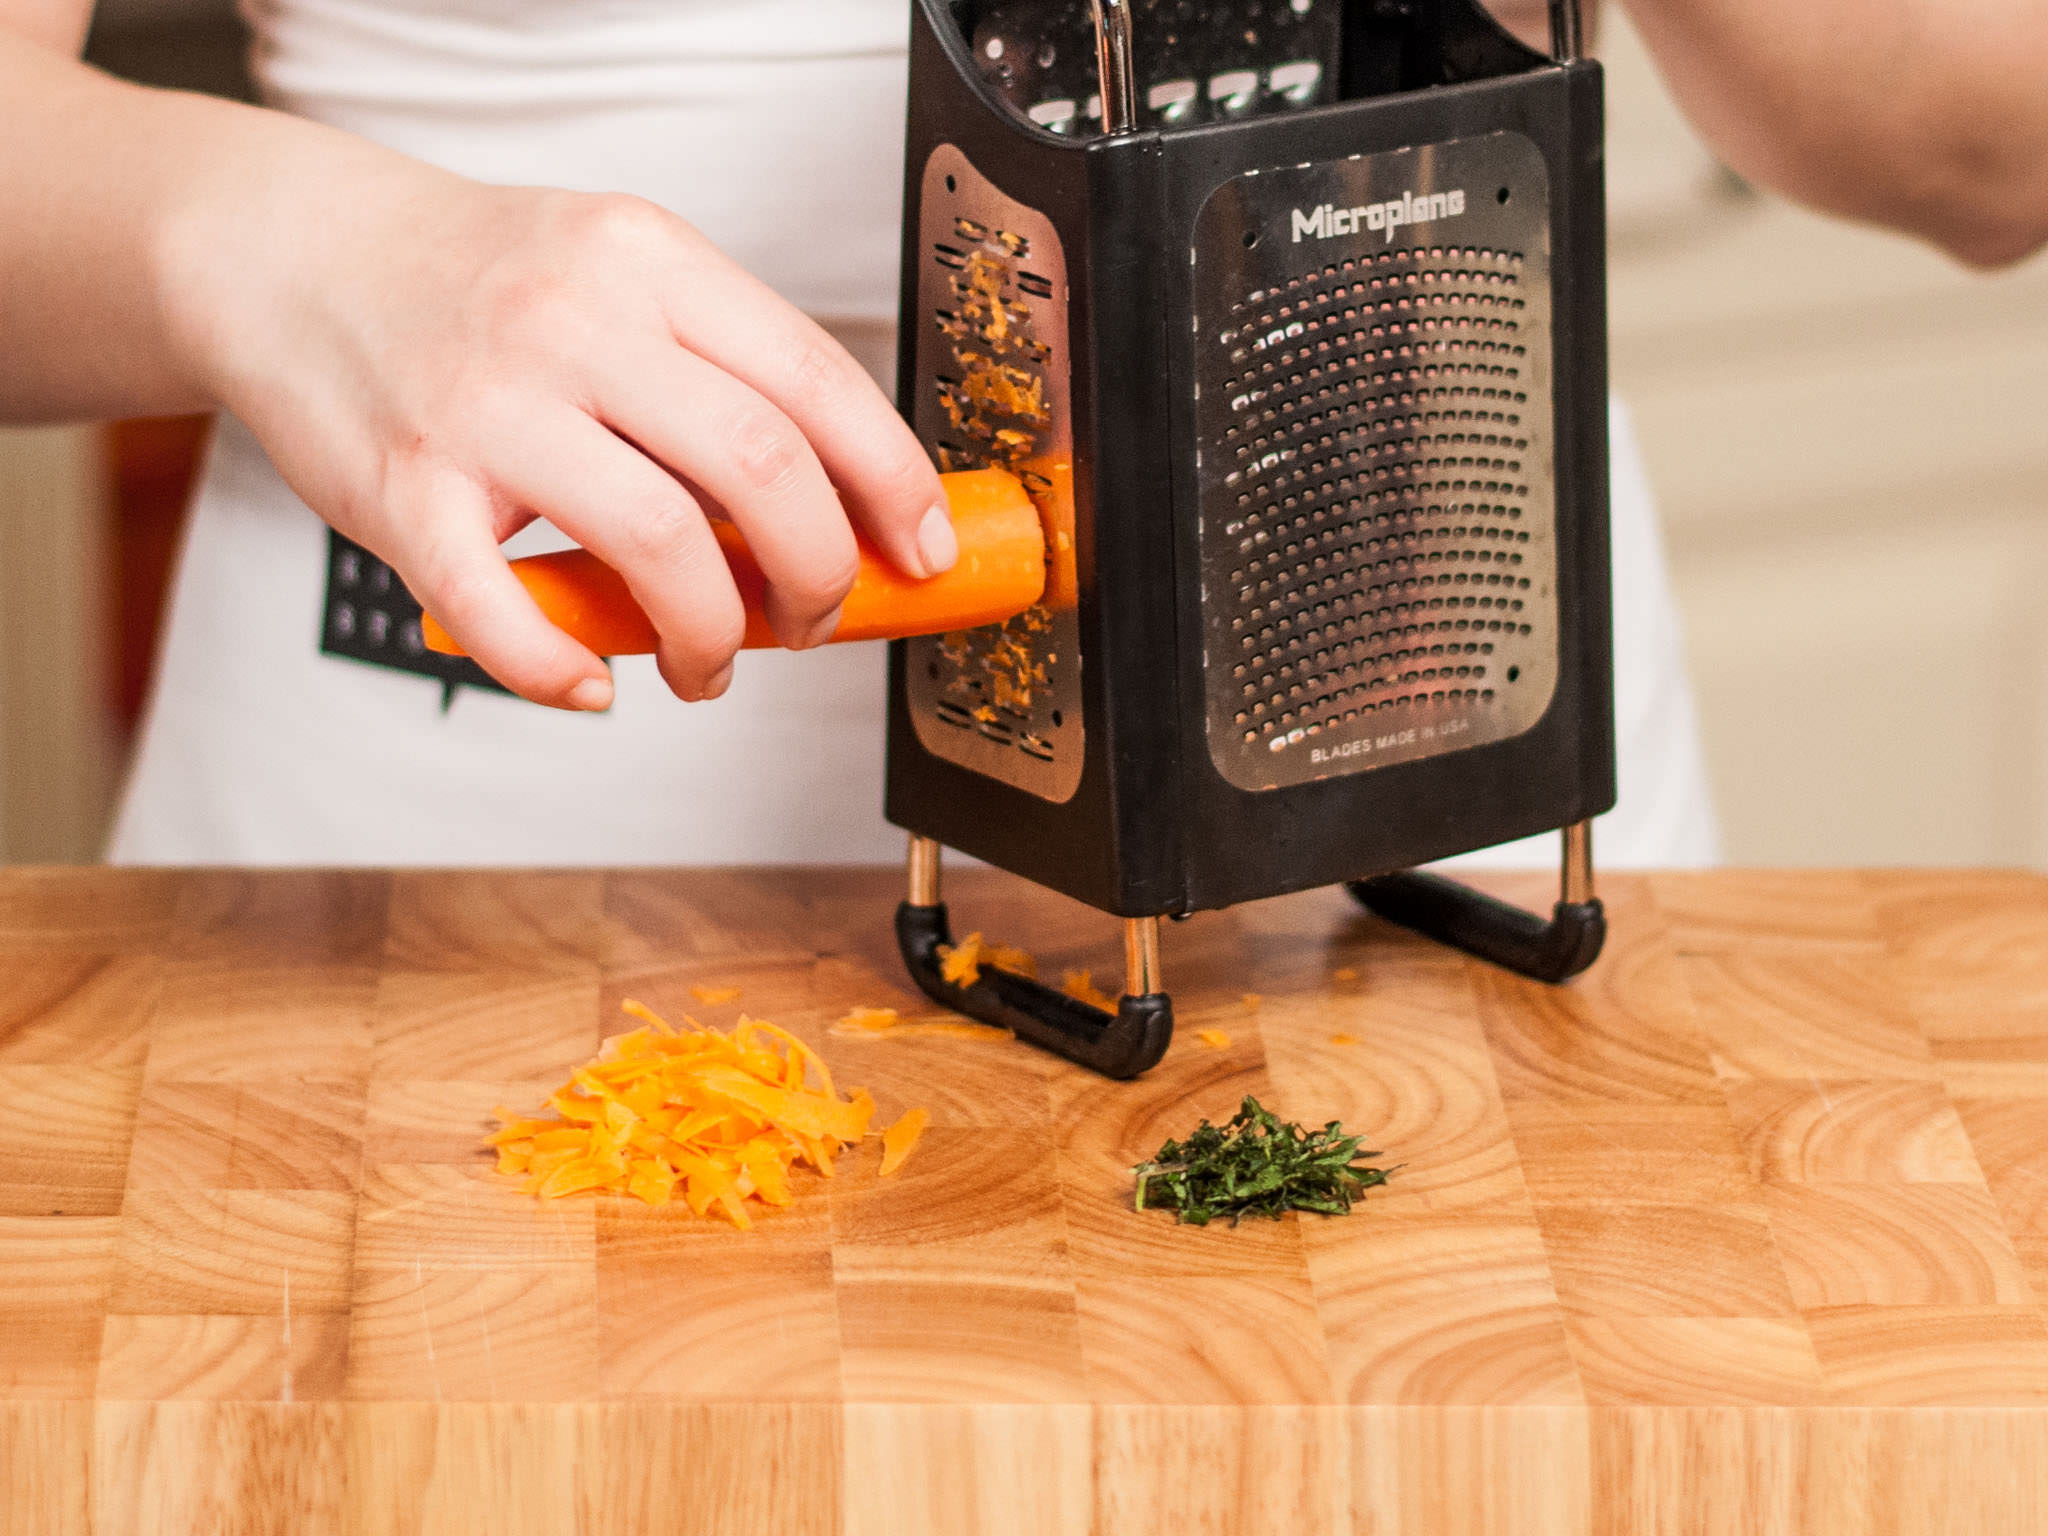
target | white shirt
[{"x": 774, "y": 126}]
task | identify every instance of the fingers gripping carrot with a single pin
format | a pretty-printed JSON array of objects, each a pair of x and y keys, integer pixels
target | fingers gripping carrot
[{"x": 1002, "y": 570}]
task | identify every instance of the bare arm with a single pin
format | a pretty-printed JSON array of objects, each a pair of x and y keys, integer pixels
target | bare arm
[
  {"x": 1929, "y": 116},
  {"x": 431, "y": 362}
]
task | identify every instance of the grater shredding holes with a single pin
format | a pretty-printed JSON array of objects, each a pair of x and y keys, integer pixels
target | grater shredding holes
[
  {"x": 992, "y": 395},
  {"x": 989, "y": 389},
  {"x": 1376, "y": 446}
]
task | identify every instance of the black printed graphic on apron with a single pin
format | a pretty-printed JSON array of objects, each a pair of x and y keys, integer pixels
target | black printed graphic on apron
[{"x": 371, "y": 617}]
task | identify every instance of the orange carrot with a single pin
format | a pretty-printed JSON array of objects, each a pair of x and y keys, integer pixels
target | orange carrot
[
  {"x": 716, "y": 1117},
  {"x": 900, "y": 1138},
  {"x": 1001, "y": 572}
]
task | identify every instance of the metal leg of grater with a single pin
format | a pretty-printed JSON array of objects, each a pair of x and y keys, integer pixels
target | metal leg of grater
[
  {"x": 1555, "y": 950},
  {"x": 1118, "y": 1045},
  {"x": 1297, "y": 331}
]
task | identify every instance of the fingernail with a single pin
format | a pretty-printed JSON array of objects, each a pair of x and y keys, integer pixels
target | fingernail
[
  {"x": 824, "y": 629},
  {"x": 593, "y": 693},
  {"x": 720, "y": 683},
  {"x": 936, "y": 542}
]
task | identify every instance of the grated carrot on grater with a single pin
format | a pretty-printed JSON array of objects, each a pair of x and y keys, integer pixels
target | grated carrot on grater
[{"x": 719, "y": 1118}]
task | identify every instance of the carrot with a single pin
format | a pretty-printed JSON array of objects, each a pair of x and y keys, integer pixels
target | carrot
[
  {"x": 900, "y": 1138},
  {"x": 1080, "y": 985},
  {"x": 719, "y": 1118},
  {"x": 1002, "y": 571}
]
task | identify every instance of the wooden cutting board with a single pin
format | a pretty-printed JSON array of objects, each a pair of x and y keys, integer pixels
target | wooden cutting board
[{"x": 1745, "y": 1232}]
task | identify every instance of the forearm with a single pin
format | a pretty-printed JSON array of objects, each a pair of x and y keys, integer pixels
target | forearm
[
  {"x": 127, "y": 210},
  {"x": 1926, "y": 115}
]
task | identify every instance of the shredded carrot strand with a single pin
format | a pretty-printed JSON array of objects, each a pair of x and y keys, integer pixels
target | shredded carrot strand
[
  {"x": 901, "y": 1138},
  {"x": 1080, "y": 985},
  {"x": 719, "y": 1119}
]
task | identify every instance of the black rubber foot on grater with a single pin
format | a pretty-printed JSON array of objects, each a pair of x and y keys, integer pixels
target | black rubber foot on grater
[
  {"x": 1493, "y": 930},
  {"x": 1118, "y": 1045}
]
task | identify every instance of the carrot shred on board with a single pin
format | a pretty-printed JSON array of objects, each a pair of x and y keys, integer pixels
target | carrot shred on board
[
  {"x": 711, "y": 997},
  {"x": 717, "y": 1118},
  {"x": 1251, "y": 1002},
  {"x": 1343, "y": 1039},
  {"x": 1080, "y": 985},
  {"x": 868, "y": 1021},
  {"x": 900, "y": 1138},
  {"x": 1344, "y": 973},
  {"x": 888, "y": 1023},
  {"x": 1215, "y": 1039}
]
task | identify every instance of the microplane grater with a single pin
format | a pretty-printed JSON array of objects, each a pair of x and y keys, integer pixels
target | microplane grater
[{"x": 1297, "y": 323}]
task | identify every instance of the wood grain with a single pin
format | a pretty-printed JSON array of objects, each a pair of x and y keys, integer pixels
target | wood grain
[{"x": 1746, "y": 1232}]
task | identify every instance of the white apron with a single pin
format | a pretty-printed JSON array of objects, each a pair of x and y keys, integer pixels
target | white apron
[{"x": 763, "y": 122}]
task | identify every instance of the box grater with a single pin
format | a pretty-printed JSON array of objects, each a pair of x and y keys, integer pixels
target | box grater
[{"x": 1292, "y": 315}]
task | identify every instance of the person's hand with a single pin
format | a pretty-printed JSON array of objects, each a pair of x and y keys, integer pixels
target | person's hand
[{"x": 431, "y": 363}]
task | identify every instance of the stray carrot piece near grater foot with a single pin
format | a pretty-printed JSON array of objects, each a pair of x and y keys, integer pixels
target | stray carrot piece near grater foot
[
  {"x": 887, "y": 1022},
  {"x": 961, "y": 963},
  {"x": 1080, "y": 986},
  {"x": 719, "y": 1118},
  {"x": 1215, "y": 1039},
  {"x": 901, "y": 1138},
  {"x": 868, "y": 1021}
]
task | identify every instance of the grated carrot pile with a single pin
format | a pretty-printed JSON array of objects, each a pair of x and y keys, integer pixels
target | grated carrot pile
[
  {"x": 1080, "y": 985},
  {"x": 715, "y": 1117},
  {"x": 961, "y": 963}
]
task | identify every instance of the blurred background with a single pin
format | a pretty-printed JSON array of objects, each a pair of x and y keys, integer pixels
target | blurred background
[{"x": 1848, "y": 435}]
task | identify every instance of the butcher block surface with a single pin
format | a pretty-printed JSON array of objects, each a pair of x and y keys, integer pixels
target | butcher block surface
[{"x": 1746, "y": 1231}]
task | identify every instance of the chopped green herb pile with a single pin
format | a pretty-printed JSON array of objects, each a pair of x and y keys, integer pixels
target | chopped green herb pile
[{"x": 1256, "y": 1165}]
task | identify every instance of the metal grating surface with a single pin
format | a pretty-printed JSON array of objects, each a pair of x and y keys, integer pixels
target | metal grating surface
[
  {"x": 1005, "y": 699},
  {"x": 1376, "y": 459}
]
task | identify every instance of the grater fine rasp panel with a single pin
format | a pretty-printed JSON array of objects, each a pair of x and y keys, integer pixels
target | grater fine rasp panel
[
  {"x": 1375, "y": 446},
  {"x": 991, "y": 389}
]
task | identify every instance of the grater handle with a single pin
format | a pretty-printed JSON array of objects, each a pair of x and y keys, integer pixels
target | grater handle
[
  {"x": 1552, "y": 951},
  {"x": 1567, "y": 39},
  {"x": 1116, "y": 68}
]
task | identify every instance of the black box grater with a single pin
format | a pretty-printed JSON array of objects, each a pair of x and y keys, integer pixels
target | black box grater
[{"x": 1295, "y": 313}]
